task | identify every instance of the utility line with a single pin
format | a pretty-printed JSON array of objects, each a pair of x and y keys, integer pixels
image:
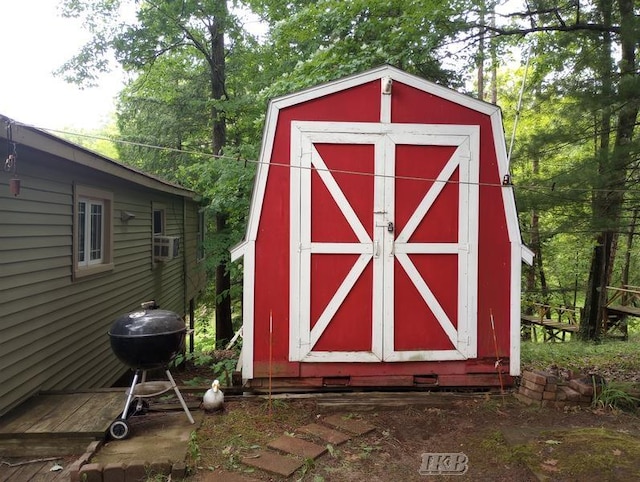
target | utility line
[{"x": 548, "y": 189}]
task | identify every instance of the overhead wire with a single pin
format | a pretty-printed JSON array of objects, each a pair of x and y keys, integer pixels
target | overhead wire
[{"x": 545, "y": 186}]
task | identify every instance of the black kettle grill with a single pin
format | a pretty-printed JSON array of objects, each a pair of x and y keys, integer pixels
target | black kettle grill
[{"x": 144, "y": 340}]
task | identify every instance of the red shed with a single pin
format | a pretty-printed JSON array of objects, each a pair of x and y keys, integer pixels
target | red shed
[{"x": 383, "y": 246}]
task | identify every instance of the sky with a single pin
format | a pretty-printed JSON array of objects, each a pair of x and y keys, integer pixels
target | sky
[{"x": 36, "y": 40}]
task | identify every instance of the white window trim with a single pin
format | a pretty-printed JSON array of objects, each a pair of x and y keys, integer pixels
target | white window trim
[
  {"x": 105, "y": 263},
  {"x": 89, "y": 202}
]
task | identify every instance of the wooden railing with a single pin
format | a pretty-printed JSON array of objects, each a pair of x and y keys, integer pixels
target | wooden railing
[
  {"x": 622, "y": 302},
  {"x": 555, "y": 321}
]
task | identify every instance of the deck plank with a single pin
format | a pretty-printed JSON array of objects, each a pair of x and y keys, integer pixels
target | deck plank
[
  {"x": 49, "y": 422},
  {"x": 24, "y": 472},
  {"x": 30, "y": 413},
  {"x": 625, "y": 310},
  {"x": 95, "y": 415},
  {"x": 58, "y": 424}
]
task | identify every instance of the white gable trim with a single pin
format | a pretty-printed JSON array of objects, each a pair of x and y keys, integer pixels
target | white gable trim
[
  {"x": 238, "y": 251},
  {"x": 527, "y": 255},
  {"x": 379, "y": 73},
  {"x": 248, "y": 305},
  {"x": 247, "y": 248},
  {"x": 518, "y": 253},
  {"x": 262, "y": 173}
]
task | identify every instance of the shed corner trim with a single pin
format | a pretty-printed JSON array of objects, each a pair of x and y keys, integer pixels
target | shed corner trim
[
  {"x": 527, "y": 255},
  {"x": 238, "y": 251}
]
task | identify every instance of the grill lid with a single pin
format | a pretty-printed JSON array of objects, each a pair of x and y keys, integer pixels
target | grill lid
[{"x": 147, "y": 323}]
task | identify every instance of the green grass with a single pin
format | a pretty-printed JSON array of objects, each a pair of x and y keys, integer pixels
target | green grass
[{"x": 612, "y": 359}]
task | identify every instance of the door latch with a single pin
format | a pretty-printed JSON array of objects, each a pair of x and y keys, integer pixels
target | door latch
[{"x": 390, "y": 227}]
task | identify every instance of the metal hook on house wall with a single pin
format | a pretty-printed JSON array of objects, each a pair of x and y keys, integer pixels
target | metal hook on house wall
[{"x": 11, "y": 163}]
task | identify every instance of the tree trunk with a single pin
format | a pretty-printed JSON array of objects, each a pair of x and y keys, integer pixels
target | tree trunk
[
  {"x": 592, "y": 314},
  {"x": 627, "y": 254},
  {"x": 218, "y": 81},
  {"x": 536, "y": 246},
  {"x": 494, "y": 59},
  {"x": 613, "y": 166},
  {"x": 224, "y": 327},
  {"x": 481, "y": 56},
  {"x": 544, "y": 289}
]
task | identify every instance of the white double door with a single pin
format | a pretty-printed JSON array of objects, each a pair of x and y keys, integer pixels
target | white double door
[{"x": 384, "y": 242}]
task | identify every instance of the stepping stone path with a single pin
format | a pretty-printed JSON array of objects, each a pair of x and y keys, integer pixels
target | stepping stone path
[
  {"x": 325, "y": 433},
  {"x": 297, "y": 446},
  {"x": 289, "y": 453},
  {"x": 351, "y": 425}
]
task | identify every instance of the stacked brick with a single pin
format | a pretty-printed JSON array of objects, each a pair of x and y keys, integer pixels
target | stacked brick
[
  {"x": 82, "y": 471},
  {"x": 547, "y": 390}
]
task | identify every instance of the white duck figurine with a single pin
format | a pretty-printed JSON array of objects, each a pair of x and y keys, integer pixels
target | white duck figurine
[{"x": 213, "y": 399}]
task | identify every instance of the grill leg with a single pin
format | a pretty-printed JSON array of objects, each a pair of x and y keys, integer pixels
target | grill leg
[
  {"x": 130, "y": 394},
  {"x": 175, "y": 388},
  {"x": 140, "y": 404}
]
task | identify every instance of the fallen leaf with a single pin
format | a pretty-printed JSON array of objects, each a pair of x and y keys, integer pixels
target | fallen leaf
[
  {"x": 549, "y": 465},
  {"x": 617, "y": 452}
]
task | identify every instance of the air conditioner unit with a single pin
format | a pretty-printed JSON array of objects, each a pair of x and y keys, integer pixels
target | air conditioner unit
[{"x": 166, "y": 247}]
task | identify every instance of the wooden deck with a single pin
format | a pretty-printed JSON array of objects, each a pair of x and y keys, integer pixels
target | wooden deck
[
  {"x": 624, "y": 310},
  {"x": 553, "y": 329},
  {"x": 58, "y": 424},
  {"x": 622, "y": 302}
]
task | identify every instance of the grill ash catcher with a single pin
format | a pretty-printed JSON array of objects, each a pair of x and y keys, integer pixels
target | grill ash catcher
[{"x": 145, "y": 340}]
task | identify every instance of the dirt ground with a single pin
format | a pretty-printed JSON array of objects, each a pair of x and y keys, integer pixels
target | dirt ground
[{"x": 502, "y": 439}]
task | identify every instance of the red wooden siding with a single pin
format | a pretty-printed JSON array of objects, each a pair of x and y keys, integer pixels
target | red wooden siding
[{"x": 437, "y": 164}]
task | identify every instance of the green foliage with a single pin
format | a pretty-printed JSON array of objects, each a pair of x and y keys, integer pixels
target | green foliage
[
  {"x": 307, "y": 467},
  {"x": 316, "y": 42},
  {"x": 609, "y": 358},
  {"x": 193, "y": 449},
  {"x": 572, "y": 174},
  {"x": 96, "y": 140},
  {"x": 615, "y": 397}
]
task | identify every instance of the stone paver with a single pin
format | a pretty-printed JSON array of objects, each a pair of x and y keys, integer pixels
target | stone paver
[
  {"x": 297, "y": 446},
  {"x": 351, "y": 425},
  {"x": 113, "y": 473},
  {"x": 274, "y": 463},
  {"x": 325, "y": 433}
]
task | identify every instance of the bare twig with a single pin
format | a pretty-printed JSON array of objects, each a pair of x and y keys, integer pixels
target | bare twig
[{"x": 26, "y": 462}]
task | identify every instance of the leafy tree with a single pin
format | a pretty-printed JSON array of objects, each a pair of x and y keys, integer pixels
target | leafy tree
[
  {"x": 319, "y": 41},
  {"x": 196, "y": 90},
  {"x": 575, "y": 45},
  {"x": 166, "y": 32}
]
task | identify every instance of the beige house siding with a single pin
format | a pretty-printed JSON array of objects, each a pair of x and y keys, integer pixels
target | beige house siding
[{"x": 53, "y": 328}]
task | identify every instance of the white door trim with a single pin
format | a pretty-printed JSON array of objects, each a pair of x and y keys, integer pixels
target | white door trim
[{"x": 382, "y": 250}]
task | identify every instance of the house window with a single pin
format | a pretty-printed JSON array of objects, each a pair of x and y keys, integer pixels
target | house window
[
  {"x": 158, "y": 221},
  {"x": 92, "y": 231}
]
